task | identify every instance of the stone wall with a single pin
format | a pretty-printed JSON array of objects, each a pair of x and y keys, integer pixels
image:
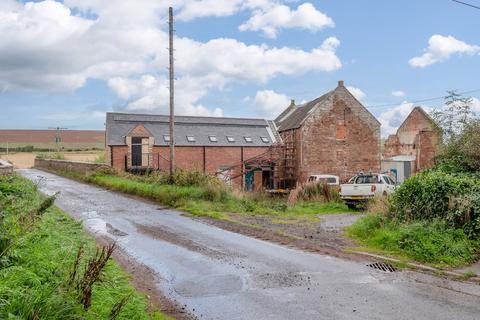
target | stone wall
[
  {"x": 6, "y": 168},
  {"x": 341, "y": 141},
  {"x": 417, "y": 137},
  {"x": 57, "y": 165}
]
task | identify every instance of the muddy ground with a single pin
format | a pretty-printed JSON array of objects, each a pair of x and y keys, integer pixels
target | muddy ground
[{"x": 322, "y": 233}]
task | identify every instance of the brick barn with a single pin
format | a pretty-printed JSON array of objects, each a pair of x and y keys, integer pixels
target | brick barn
[
  {"x": 236, "y": 149},
  {"x": 333, "y": 134},
  {"x": 415, "y": 144}
]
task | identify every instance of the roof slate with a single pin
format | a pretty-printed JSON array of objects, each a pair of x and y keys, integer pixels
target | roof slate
[
  {"x": 296, "y": 118},
  {"x": 118, "y": 125}
]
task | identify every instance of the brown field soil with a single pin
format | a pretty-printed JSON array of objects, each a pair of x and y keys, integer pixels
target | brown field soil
[
  {"x": 81, "y": 139},
  {"x": 23, "y": 160}
]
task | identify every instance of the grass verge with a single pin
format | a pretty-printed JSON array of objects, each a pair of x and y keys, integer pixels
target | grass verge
[
  {"x": 430, "y": 242},
  {"x": 36, "y": 258},
  {"x": 208, "y": 199}
]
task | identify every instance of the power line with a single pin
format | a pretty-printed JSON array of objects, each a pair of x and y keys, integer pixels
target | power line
[
  {"x": 466, "y": 4},
  {"x": 419, "y": 101}
]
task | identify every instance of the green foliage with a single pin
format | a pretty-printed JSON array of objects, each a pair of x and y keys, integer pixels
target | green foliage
[
  {"x": 433, "y": 242},
  {"x": 453, "y": 198},
  {"x": 462, "y": 152},
  {"x": 34, "y": 275},
  {"x": 53, "y": 156}
]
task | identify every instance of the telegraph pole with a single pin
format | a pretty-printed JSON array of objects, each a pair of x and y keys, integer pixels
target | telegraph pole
[
  {"x": 58, "y": 139},
  {"x": 172, "y": 91}
]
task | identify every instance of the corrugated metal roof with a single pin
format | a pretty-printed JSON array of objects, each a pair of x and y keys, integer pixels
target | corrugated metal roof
[
  {"x": 118, "y": 125},
  {"x": 402, "y": 158}
]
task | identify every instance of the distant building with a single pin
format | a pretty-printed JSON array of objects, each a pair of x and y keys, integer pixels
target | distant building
[
  {"x": 223, "y": 146},
  {"x": 416, "y": 140},
  {"x": 333, "y": 134}
]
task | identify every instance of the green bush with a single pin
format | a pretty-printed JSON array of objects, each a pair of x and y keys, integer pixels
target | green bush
[
  {"x": 432, "y": 242},
  {"x": 453, "y": 198}
]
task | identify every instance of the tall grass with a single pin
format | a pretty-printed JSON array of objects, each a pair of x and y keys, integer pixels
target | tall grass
[
  {"x": 433, "y": 242},
  {"x": 35, "y": 273}
]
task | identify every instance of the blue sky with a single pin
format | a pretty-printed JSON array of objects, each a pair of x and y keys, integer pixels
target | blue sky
[{"x": 66, "y": 63}]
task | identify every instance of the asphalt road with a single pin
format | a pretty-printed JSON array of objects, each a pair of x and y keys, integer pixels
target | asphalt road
[{"x": 222, "y": 275}]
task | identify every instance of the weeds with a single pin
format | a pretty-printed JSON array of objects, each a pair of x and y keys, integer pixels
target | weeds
[
  {"x": 41, "y": 270},
  {"x": 92, "y": 274},
  {"x": 427, "y": 242}
]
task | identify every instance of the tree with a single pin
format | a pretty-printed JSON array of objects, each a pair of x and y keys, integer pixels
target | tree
[{"x": 455, "y": 116}]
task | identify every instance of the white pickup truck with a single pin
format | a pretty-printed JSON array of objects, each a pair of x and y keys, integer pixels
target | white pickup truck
[{"x": 363, "y": 187}]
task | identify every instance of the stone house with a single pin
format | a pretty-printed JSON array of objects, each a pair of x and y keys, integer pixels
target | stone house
[
  {"x": 224, "y": 146},
  {"x": 333, "y": 134},
  {"x": 415, "y": 139}
]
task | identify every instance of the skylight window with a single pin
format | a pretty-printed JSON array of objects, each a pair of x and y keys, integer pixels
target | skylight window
[
  {"x": 213, "y": 138},
  {"x": 166, "y": 138},
  {"x": 230, "y": 139},
  {"x": 191, "y": 139},
  {"x": 265, "y": 139},
  {"x": 248, "y": 139}
]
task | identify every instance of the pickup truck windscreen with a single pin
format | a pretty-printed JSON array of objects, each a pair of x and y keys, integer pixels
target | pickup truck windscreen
[{"x": 367, "y": 180}]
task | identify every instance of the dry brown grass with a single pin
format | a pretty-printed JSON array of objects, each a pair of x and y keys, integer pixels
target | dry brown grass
[
  {"x": 378, "y": 205},
  {"x": 25, "y": 160}
]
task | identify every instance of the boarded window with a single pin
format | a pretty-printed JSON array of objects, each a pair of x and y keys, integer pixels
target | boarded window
[{"x": 341, "y": 130}]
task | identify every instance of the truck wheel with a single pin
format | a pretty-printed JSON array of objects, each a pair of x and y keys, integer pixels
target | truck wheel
[{"x": 352, "y": 206}]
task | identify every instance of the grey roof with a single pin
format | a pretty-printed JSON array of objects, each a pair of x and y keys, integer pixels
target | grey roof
[
  {"x": 295, "y": 119},
  {"x": 118, "y": 125}
]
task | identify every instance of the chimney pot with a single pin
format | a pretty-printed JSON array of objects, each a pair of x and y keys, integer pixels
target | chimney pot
[
  {"x": 341, "y": 83},
  {"x": 292, "y": 102}
]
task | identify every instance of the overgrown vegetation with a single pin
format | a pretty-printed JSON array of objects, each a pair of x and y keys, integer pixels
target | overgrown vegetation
[
  {"x": 433, "y": 242},
  {"x": 434, "y": 216},
  {"x": 50, "y": 269},
  {"x": 204, "y": 195}
]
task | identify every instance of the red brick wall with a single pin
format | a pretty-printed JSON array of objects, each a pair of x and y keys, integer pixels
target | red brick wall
[
  {"x": 427, "y": 149},
  {"x": 118, "y": 157},
  {"x": 192, "y": 158},
  {"x": 325, "y": 151}
]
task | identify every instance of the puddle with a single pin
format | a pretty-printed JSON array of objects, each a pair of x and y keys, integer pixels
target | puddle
[{"x": 209, "y": 286}]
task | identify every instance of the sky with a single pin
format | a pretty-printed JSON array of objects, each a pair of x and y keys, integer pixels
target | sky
[{"x": 66, "y": 63}]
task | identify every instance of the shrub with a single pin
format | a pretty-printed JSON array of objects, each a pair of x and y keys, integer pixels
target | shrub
[{"x": 431, "y": 195}]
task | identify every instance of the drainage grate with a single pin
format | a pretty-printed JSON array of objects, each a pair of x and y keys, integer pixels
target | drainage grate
[{"x": 382, "y": 266}]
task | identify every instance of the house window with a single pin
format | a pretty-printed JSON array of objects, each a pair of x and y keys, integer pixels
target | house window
[
  {"x": 265, "y": 139},
  {"x": 191, "y": 139},
  {"x": 166, "y": 138},
  {"x": 230, "y": 139},
  {"x": 213, "y": 138},
  {"x": 248, "y": 139}
]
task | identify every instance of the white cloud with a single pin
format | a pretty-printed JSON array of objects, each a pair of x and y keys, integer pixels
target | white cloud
[
  {"x": 48, "y": 47},
  {"x": 270, "y": 104},
  {"x": 398, "y": 93},
  {"x": 476, "y": 105},
  {"x": 441, "y": 48},
  {"x": 271, "y": 19},
  {"x": 232, "y": 58},
  {"x": 357, "y": 93},
  {"x": 394, "y": 117}
]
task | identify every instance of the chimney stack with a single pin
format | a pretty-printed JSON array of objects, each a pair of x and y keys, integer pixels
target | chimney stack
[
  {"x": 292, "y": 102},
  {"x": 341, "y": 83}
]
